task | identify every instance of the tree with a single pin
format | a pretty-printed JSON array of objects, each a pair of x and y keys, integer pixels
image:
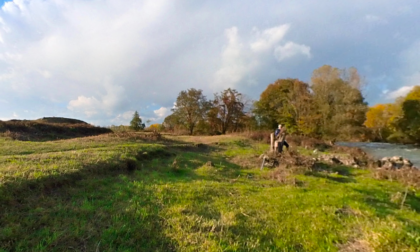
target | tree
[
  {"x": 156, "y": 126},
  {"x": 228, "y": 107},
  {"x": 136, "y": 123},
  {"x": 287, "y": 101},
  {"x": 339, "y": 101},
  {"x": 410, "y": 121},
  {"x": 378, "y": 118},
  {"x": 171, "y": 122},
  {"x": 191, "y": 106}
]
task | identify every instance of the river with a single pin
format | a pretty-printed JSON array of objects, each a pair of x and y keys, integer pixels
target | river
[{"x": 380, "y": 150}]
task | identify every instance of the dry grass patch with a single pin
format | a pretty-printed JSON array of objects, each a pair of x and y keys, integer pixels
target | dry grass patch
[
  {"x": 356, "y": 246},
  {"x": 407, "y": 176}
]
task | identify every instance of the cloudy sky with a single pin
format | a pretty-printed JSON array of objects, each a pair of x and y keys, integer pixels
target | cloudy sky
[{"x": 100, "y": 60}]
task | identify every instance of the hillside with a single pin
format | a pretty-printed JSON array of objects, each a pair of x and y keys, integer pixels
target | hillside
[
  {"x": 48, "y": 128},
  {"x": 125, "y": 193}
]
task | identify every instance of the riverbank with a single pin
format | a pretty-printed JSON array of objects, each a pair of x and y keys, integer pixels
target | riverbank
[
  {"x": 380, "y": 150},
  {"x": 124, "y": 192}
]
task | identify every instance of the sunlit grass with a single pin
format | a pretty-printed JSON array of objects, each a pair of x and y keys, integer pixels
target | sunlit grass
[{"x": 79, "y": 195}]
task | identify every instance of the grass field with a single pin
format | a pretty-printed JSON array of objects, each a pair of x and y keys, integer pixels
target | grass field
[{"x": 122, "y": 193}]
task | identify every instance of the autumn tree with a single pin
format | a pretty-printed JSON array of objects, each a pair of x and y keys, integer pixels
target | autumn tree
[
  {"x": 190, "y": 107},
  {"x": 156, "y": 126},
  {"x": 136, "y": 123},
  {"x": 339, "y": 101},
  {"x": 213, "y": 120},
  {"x": 227, "y": 109},
  {"x": 410, "y": 121},
  {"x": 287, "y": 101},
  {"x": 379, "y": 119},
  {"x": 171, "y": 122}
]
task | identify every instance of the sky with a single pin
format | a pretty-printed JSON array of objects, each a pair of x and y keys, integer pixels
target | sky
[{"x": 101, "y": 60}]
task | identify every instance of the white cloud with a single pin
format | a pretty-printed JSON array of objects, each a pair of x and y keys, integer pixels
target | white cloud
[
  {"x": 99, "y": 59},
  {"x": 162, "y": 112},
  {"x": 114, "y": 97},
  {"x": 402, "y": 91},
  {"x": 234, "y": 61},
  {"x": 269, "y": 38},
  {"x": 75, "y": 43},
  {"x": 291, "y": 49},
  {"x": 410, "y": 65},
  {"x": 242, "y": 58},
  {"x": 123, "y": 118},
  {"x": 88, "y": 105}
]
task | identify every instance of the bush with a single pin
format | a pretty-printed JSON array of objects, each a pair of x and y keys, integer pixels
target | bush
[
  {"x": 398, "y": 137},
  {"x": 260, "y": 136}
]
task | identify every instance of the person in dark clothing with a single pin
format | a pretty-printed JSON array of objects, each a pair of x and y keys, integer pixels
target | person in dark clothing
[{"x": 280, "y": 136}]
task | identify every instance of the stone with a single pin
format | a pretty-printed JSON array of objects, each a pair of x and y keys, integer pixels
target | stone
[
  {"x": 407, "y": 162},
  {"x": 396, "y": 158},
  {"x": 395, "y": 162}
]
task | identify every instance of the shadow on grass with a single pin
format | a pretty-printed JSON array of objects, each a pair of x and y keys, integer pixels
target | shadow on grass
[
  {"x": 381, "y": 201},
  {"x": 384, "y": 207},
  {"x": 103, "y": 206},
  {"x": 340, "y": 179},
  {"x": 83, "y": 211},
  {"x": 336, "y": 173}
]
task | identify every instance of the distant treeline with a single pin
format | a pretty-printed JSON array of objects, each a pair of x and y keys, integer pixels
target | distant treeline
[
  {"x": 398, "y": 121},
  {"x": 332, "y": 107}
]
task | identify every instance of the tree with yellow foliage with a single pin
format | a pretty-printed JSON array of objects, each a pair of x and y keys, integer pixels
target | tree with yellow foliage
[
  {"x": 156, "y": 126},
  {"x": 379, "y": 119}
]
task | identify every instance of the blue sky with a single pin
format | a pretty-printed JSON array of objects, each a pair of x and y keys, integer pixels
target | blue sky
[{"x": 101, "y": 60}]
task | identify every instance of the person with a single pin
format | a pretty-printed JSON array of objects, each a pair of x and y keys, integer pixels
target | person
[{"x": 280, "y": 136}]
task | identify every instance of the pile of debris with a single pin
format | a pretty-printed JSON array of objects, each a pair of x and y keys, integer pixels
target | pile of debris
[
  {"x": 392, "y": 163},
  {"x": 344, "y": 160},
  {"x": 295, "y": 159},
  {"x": 289, "y": 158}
]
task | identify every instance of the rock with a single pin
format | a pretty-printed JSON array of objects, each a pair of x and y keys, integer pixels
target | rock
[
  {"x": 396, "y": 158},
  {"x": 407, "y": 162},
  {"x": 395, "y": 162},
  {"x": 350, "y": 161},
  {"x": 336, "y": 160}
]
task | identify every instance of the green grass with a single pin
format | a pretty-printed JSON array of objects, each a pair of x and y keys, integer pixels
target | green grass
[{"x": 81, "y": 195}]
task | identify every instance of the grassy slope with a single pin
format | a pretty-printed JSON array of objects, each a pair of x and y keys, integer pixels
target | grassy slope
[
  {"x": 49, "y": 128},
  {"x": 78, "y": 195}
]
